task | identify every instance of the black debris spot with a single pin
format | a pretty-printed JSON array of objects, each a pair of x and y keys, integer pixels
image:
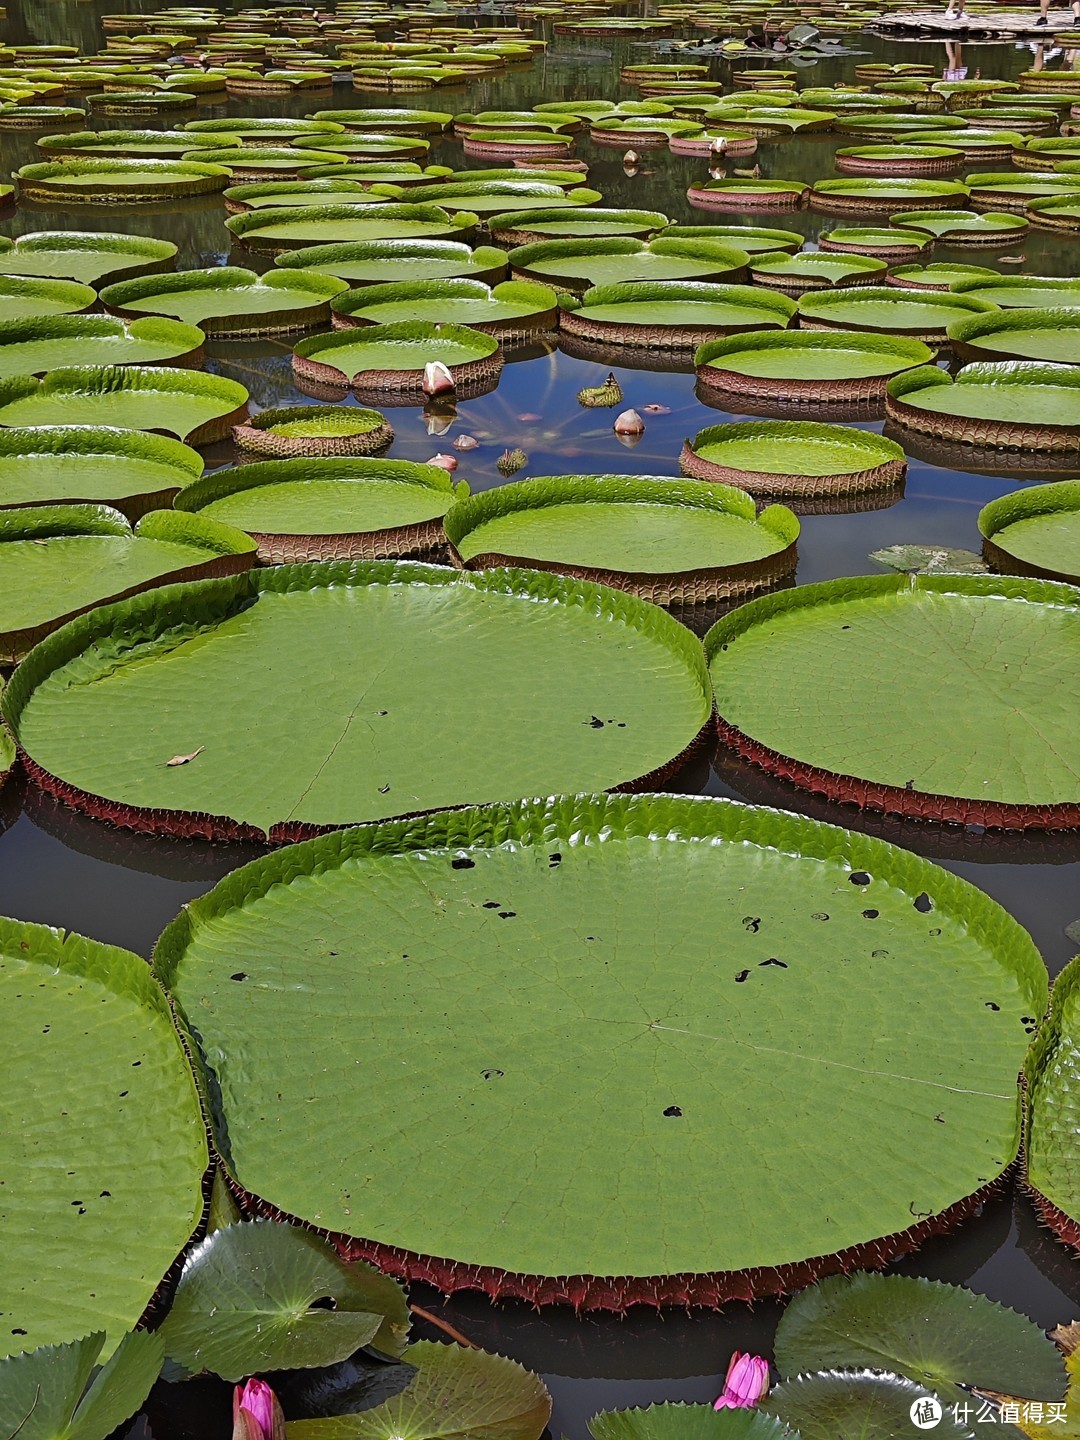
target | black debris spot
[
  {"x": 135, "y": 1064},
  {"x": 879, "y": 954},
  {"x": 507, "y": 914},
  {"x": 240, "y": 975},
  {"x": 18, "y": 1331},
  {"x": 819, "y": 915},
  {"x": 1025, "y": 1019},
  {"x": 462, "y": 862},
  {"x": 940, "y": 1119},
  {"x": 123, "y": 1094},
  {"x": 384, "y": 789},
  {"x": 325, "y": 1302},
  {"x": 590, "y": 937},
  {"x": 673, "y": 1110},
  {"x": 933, "y": 932},
  {"x": 492, "y": 904},
  {"x": 859, "y": 877},
  {"x": 845, "y": 627},
  {"x": 923, "y": 903},
  {"x": 595, "y": 723},
  {"x": 779, "y": 964},
  {"x": 741, "y": 976},
  {"x": 105, "y": 1195},
  {"x": 554, "y": 860},
  {"x": 492, "y": 1074},
  {"x": 909, "y": 784},
  {"x": 871, "y": 914},
  {"x": 991, "y": 1006},
  {"x": 752, "y": 923},
  {"x": 382, "y": 712}
]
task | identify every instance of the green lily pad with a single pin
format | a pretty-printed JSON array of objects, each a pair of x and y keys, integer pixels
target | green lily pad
[
  {"x": 794, "y": 674},
  {"x": 405, "y": 348},
  {"x": 455, "y": 1393},
  {"x": 276, "y": 194},
  {"x": 943, "y": 275},
  {"x": 255, "y": 161},
  {"x": 354, "y": 146},
  {"x": 503, "y": 1028},
  {"x": 110, "y": 1218},
  {"x": 892, "y": 193},
  {"x": 90, "y": 258},
  {"x": 1051, "y": 1071},
  {"x": 1056, "y": 212},
  {"x": 340, "y": 623},
  {"x": 513, "y": 306},
  {"x": 128, "y": 144},
  {"x": 30, "y": 347},
  {"x": 1052, "y": 335},
  {"x": 252, "y": 1298},
  {"x": 868, "y": 240},
  {"x": 648, "y": 306},
  {"x": 990, "y": 186},
  {"x": 872, "y": 1405},
  {"x": 409, "y": 121},
  {"x": 185, "y": 403},
  {"x": 498, "y": 197},
  {"x": 577, "y": 264},
  {"x": 369, "y": 262},
  {"x": 228, "y": 301},
  {"x": 826, "y": 267},
  {"x": 1039, "y": 528},
  {"x": 268, "y": 131},
  {"x": 1021, "y": 292},
  {"x": 963, "y": 225},
  {"x": 293, "y": 228},
  {"x": 812, "y": 355},
  {"x": 754, "y": 239},
  {"x": 731, "y": 194},
  {"x": 64, "y": 464},
  {"x": 30, "y": 298},
  {"x": 305, "y": 497},
  {"x": 59, "y": 1391},
  {"x": 794, "y": 447},
  {"x": 57, "y": 561},
  {"x": 686, "y": 1422},
  {"x": 643, "y": 525},
  {"x": 567, "y": 223},
  {"x": 549, "y": 174},
  {"x": 888, "y": 310},
  {"x": 103, "y": 182},
  {"x": 940, "y": 1336},
  {"x": 1015, "y": 393}
]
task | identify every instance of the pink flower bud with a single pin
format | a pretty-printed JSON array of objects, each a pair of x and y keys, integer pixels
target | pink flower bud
[
  {"x": 437, "y": 378},
  {"x": 629, "y": 423},
  {"x": 466, "y": 442},
  {"x": 444, "y": 462},
  {"x": 747, "y": 1382},
  {"x": 631, "y": 157},
  {"x": 256, "y": 1413}
]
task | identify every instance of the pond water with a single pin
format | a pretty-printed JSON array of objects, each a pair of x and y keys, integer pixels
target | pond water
[{"x": 63, "y": 869}]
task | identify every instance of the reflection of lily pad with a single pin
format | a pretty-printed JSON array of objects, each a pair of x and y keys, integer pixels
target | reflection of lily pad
[
  {"x": 331, "y": 629},
  {"x": 229, "y": 301},
  {"x": 64, "y": 464},
  {"x": 324, "y": 509},
  {"x": 625, "y": 882},
  {"x": 57, "y": 561},
  {"x": 112, "y": 1218},
  {"x": 192, "y": 406},
  {"x": 831, "y": 686}
]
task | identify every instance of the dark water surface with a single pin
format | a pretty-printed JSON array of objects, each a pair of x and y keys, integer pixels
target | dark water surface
[{"x": 62, "y": 869}]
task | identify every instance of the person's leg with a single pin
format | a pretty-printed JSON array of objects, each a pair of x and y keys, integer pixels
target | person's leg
[
  {"x": 1044, "y": 7},
  {"x": 1076, "y": 12}
]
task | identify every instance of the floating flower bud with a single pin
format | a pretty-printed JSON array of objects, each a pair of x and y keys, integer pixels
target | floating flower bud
[
  {"x": 511, "y": 461},
  {"x": 256, "y": 1413},
  {"x": 631, "y": 158},
  {"x": 444, "y": 462},
  {"x": 747, "y": 1382},
  {"x": 466, "y": 442},
  {"x": 629, "y": 423},
  {"x": 437, "y": 378},
  {"x": 600, "y": 396}
]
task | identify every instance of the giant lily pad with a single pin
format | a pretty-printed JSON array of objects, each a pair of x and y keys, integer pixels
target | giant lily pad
[
  {"x": 523, "y": 227},
  {"x": 408, "y": 121},
  {"x": 748, "y": 194},
  {"x": 257, "y": 162},
  {"x": 886, "y": 243},
  {"x": 829, "y": 684},
  {"x": 1020, "y": 403},
  {"x": 807, "y": 365},
  {"x": 393, "y": 357},
  {"x": 129, "y": 144},
  {"x": 794, "y": 458},
  {"x": 369, "y": 262},
  {"x": 28, "y": 298},
  {"x": 1020, "y": 292},
  {"x": 1058, "y": 212},
  {"x": 754, "y": 239},
  {"x": 977, "y": 145},
  {"x": 55, "y": 464},
  {"x": 514, "y": 308},
  {"x": 91, "y": 258},
  {"x": 814, "y": 270},
  {"x": 274, "y": 130},
  {"x": 898, "y": 159},
  {"x": 352, "y": 146},
  {"x": 111, "y": 1217},
  {"x": 884, "y": 196},
  {"x": 30, "y": 347},
  {"x": 576, "y": 264},
  {"x": 514, "y": 913},
  {"x": 292, "y": 228},
  {"x": 1052, "y": 334},
  {"x": 57, "y": 561},
  {"x": 628, "y": 692},
  {"x": 943, "y": 275},
  {"x": 674, "y": 313},
  {"x": 1035, "y": 531},
  {"x": 966, "y": 227},
  {"x": 887, "y": 310},
  {"x": 992, "y": 190},
  {"x": 1051, "y": 1072},
  {"x": 323, "y": 509},
  {"x": 192, "y": 406},
  {"x": 662, "y": 539},
  {"x": 496, "y": 197},
  {"x": 274, "y": 194},
  {"x": 228, "y": 301},
  {"x": 104, "y": 182}
]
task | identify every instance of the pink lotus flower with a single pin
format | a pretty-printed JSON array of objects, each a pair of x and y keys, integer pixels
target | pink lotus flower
[
  {"x": 256, "y": 1413},
  {"x": 747, "y": 1382}
]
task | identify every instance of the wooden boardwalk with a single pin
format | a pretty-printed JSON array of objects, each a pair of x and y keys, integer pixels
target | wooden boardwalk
[{"x": 1019, "y": 24}]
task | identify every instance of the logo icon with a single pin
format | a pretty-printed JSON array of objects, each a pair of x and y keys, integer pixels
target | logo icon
[{"x": 925, "y": 1414}]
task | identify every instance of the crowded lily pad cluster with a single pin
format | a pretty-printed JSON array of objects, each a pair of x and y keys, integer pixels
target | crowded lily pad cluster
[{"x": 447, "y": 713}]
